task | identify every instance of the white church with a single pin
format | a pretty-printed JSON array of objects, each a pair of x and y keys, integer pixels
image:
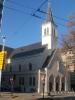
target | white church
[{"x": 39, "y": 65}]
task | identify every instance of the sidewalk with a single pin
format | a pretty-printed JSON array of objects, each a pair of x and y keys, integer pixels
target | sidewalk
[
  {"x": 18, "y": 96},
  {"x": 32, "y": 96}
]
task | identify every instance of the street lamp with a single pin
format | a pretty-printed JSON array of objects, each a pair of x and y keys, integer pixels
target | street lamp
[
  {"x": 11, "y": 82},
  {"x": 11, "y": 78},
  {"x": 43, "y": 83}
]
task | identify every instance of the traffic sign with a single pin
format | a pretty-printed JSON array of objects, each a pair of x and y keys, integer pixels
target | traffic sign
[{"x": 2, "y": 59}]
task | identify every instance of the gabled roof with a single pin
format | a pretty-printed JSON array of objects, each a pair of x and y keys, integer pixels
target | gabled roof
[
  {"x": 29, "y": 50},
  {"x": 51, "y": 60},
  {"x": 28, "y": 53},
  {"x": 48, "y": 59}
]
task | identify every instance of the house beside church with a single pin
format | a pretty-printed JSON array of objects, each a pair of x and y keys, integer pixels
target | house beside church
[
  {"x": 68, "y": 58},
  {"x": 37, "y": 65}
]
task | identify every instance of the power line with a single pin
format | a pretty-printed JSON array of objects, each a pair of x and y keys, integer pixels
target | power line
[
  {"x": 20, "y": 5},
  {"x": 53, "y": 15},
  {"x": 17, "y": 10},
  {"x": 37, "y": 10},
  {"x": 60, "y": 24},
  {"x": 40, "y": 6},
  {"x": 34, "y": 15},
  {"x": 20, "y": 11}
]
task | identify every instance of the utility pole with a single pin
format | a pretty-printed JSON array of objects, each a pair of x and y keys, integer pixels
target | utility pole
[
  {"x": 2, "y": 53},
  {"x": 2, "y": 60},
  {"x": 3, "y": 38}
]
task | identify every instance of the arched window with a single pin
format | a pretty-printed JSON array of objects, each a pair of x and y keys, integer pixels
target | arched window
[{"x": 45, "y": 32}]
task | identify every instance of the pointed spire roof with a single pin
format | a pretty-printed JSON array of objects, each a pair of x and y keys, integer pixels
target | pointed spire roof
[{"x": 49, "y": 13}]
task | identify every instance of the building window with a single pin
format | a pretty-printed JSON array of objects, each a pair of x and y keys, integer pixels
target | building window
[
  {"x": 30, "y": 67},
  {"x": 30, "y": 81},
  {"x": 33, "y": 81},
  {"x": 21, "y": 80},
  {"x": 19, "y": 67},
  {"x": 45, "y": 32},
  {"x": 10, "y": 68},
  {"x": 14, "y": 77}
]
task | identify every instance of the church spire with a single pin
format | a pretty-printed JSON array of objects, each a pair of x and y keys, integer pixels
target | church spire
[{"x": 49, "y": 13}]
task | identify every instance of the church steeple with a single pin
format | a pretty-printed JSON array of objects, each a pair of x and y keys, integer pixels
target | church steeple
[
  {"x": 49, "y": 34},
  {"x": 49, "y": 13}
]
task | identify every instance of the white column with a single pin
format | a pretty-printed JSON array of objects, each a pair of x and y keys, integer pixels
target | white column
[
  {"x": 46, "y": 82},
  {"x": 69, "y": 82},
  {"x": 65, "y": 84},
  {"x": 39, "y": 81},
  {"x": 60, "y": 84},
  {"x": 54, "y": 84}
]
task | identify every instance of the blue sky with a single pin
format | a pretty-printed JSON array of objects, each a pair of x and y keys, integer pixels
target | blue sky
[{"x": 20, "y": 28}]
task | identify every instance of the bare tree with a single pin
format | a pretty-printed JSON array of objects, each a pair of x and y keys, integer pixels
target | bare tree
[{"x": 69, "y": 39}]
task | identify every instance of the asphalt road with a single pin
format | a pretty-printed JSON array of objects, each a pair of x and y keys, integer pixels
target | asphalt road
[{"x": 63, "y": 98}]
